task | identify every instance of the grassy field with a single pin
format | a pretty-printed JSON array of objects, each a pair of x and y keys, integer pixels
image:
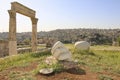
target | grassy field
[{"x": 103, "y": 60}]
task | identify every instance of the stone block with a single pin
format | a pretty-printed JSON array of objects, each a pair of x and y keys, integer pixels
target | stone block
[
  {"x": 82, "y": 45},
  {"x": 60, "y": 52}
]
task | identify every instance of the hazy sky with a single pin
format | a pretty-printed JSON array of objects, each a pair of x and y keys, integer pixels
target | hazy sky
[{"x": 60, "y": 14}]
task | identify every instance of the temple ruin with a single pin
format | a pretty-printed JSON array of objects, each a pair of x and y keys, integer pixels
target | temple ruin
[{"x": 19, "y": 8}]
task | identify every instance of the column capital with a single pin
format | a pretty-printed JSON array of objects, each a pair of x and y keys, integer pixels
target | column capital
[
  {"x": 34, "y": 20},
  {"x": 12, "y": 13}
]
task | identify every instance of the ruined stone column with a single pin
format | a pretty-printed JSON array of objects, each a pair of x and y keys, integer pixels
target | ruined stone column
[
  {"x": 34, "y": 34},
  {"x": 12, "y": 33}
]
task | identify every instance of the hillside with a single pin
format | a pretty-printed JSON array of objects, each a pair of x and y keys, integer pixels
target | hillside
[{"x": 96, "y": 36}]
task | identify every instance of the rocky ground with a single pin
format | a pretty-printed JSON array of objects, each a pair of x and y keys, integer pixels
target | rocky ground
[{"x": 81, "y": 73}]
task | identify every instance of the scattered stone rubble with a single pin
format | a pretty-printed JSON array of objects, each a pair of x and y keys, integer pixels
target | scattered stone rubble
[
  {"x": 51, "y": 60},
  {"x": 63, "y": 56},
  {"x": 59, "y": 54}
]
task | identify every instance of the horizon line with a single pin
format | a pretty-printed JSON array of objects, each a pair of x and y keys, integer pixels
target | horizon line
[{"x": 64, "y": 29}]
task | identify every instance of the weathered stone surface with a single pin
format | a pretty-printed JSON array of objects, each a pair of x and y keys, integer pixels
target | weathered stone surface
[
  {"x": 12, "y": 25},
  {"x": 82, "y": 45},
  {"x": 12, "y": 33},
  {"x": 19, "y": 8},
  {"x": 51, "y": 60},
  {"x": 69, "y": 64},
  {"x": 23, "y": 50},
  {"x": 34, "y": 34},
  {"x": 46, "y": 71},
  {"x": 4, "y": 49},
  {"x": 12, "y": 48},
  {"x": 60, "y": 52}
]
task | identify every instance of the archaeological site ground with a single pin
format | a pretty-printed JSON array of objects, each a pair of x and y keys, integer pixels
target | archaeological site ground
[{"x": 58, "y": 54}]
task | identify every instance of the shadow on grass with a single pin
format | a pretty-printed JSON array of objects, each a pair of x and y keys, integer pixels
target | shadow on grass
[
  {"x": 47, "y": 75},
  {"x": 40, "y": 54},
  {"x": 77, "y": 71},
  {"x": 84, "y": 52}
]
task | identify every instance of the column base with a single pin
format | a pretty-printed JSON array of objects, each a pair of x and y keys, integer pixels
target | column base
[{"x": 12, "y": 48}]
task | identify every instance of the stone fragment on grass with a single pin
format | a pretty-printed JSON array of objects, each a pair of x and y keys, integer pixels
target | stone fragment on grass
[
  {"x": 46, "y": 71},
  {"x": 51, "y": 60},
  {"x": 82, "y": 45},
  {"x": 60, "y": 52}
]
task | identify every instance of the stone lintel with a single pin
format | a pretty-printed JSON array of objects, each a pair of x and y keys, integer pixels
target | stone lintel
[{"x": 19, "y": 8}]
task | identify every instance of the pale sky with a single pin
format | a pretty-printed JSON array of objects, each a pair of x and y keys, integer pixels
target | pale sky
[{"x": 64, "y": 14}]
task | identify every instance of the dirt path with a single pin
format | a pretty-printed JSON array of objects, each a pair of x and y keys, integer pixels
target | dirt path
[
  {"x": 82, "y": 73},
  {"x": 70, "y": 74},
  {"x": 5, "y": 74}
]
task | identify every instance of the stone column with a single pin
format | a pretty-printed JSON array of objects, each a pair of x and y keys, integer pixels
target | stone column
[
  {"x": 34, "y": 34},
  {"x": 12, "y": 33}
]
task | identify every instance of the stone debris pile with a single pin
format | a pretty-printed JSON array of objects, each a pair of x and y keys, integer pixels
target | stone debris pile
[
  {"x": 63, "y": 56},
  {"x": 59, "y": 54},
  {"x": 50, "y": 60}
]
